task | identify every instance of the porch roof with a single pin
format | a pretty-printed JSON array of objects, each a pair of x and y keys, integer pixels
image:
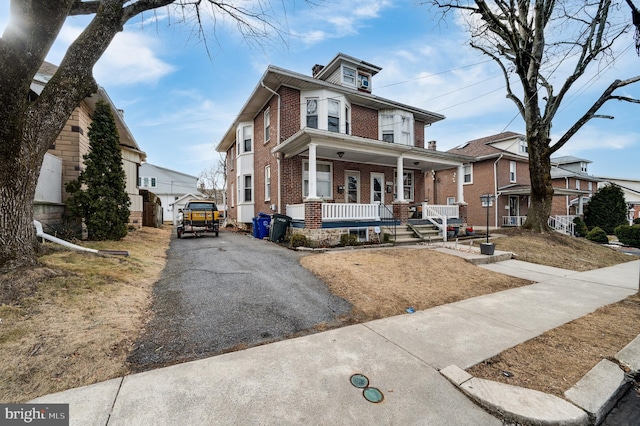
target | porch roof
[
  {"x": 341, "y": 147},
  {"x": 526, "y": 190}
]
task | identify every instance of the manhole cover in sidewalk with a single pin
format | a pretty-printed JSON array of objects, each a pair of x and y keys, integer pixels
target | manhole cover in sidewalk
[
  {"x": 359, "y": 381},
  {"x": 372, "y": 395}
]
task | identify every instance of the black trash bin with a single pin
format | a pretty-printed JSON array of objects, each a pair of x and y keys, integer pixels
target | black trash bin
[{"x": 279, "y": 225}]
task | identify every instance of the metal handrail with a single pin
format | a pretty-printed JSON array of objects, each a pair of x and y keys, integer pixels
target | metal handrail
[{"x": 387, "y": 218}]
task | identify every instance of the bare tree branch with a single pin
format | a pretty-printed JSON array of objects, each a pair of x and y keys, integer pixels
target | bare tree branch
[{"x": 606, "y": 96}]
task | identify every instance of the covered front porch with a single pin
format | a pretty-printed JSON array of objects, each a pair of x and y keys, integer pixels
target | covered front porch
[
  {"x": 516, "y": 202},
  {"x": 347, "y": 180}
]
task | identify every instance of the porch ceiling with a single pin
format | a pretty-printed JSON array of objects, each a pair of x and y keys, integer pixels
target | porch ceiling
[{"x": 367, "y": 151}]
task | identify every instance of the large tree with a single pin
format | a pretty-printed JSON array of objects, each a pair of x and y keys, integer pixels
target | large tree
[
  {"x": 29, "y": 126},
  {"x": 536, "y": 41}
]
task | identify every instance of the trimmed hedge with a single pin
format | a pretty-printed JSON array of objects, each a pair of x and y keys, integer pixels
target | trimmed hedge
[
  {"x": 580, "y": 229},
  {"x": 298, "y": 240},
  {"x": 597, "y": 235},
  {"x": 629, "y": 235}
]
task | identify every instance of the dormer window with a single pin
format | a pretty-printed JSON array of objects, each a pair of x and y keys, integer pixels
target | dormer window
[
  {"x": 348, "y": 76},
  {"x": 583, "y": 167},
  {"x": 524, "y": 149}
]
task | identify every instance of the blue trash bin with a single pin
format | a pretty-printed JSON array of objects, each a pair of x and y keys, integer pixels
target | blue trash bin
[
  {"x": 262, "y": 225},
  {"x": 254, "y": 229}
]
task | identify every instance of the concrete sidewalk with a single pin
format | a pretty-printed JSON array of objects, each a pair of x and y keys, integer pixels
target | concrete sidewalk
[{"x": 307, "y": 380}]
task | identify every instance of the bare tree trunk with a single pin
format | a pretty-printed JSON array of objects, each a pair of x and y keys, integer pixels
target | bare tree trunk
[{"x": 541, "y": 186}]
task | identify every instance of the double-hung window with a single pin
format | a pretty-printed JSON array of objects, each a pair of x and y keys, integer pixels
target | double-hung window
[
  {"x": 348, "y": 76},
  {"x": 246, "y": 137},
  {"x": 407, "y": 184},
  {"x": 347, "y": 120},
  {"x": 333, "y": 116},
  {"x": 267, "y": 125},
  {"x": 468, "y": 173},
  {"x": 267, "y": 183},
  {"x": 248, "y": 189},
  {"x": 324, "y": 179},
  {"x": 312, "y": 113},
  {"x": 512, "y": 171}
]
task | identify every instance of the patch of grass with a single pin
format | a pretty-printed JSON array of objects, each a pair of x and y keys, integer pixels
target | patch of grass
[
  {"x": 71, "y": 322},
  {"x": 558, "y": 250}
]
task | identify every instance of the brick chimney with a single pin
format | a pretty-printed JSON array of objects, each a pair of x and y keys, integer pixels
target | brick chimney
[
  {"x": 316, "y": 70},
  {"x": 431, "y": 145}
]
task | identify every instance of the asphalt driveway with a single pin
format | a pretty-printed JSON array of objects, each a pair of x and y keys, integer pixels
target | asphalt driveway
[{"x": 227, "y": 293}]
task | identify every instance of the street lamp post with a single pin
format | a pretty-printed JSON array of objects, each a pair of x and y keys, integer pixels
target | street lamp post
[{"x": 487, "y": 203}]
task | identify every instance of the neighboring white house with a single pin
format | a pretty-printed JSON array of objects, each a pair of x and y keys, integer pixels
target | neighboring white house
[
  {"x": 168, "y": 185},
  {"x": 630, "y": 189}
]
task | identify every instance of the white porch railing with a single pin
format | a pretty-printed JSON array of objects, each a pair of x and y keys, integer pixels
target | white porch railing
[
  {"x": 513, "y": 220},
  {"x": 295, "y": 211},
  {"x": 347, "y": 211},
  {"x": 451, "y": 211},
  {"x": 437, "y": 216},
  {"x": 338, "y": 211},
  {"x": 562, "y": 224}
]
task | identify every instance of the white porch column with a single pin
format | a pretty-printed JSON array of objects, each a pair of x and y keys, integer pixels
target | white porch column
[
  {"x": 460, "y": 182},
  {"x": 580, "y": 204},
  {"x": 313, "y": 184},
  {"x": 400, "y": 180}
]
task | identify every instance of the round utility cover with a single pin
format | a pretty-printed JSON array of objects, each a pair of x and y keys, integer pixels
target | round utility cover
[
  {"x": 372, "y": 395},
  {"x": 359, "y": 381}
]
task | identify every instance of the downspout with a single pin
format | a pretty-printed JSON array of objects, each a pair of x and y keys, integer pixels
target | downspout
[
  {"x": 40, "y": 233},
  {"x": 495, "y": 187},
  {"x": 566, "y": 198},
  {"x": 277, "y": 143}
]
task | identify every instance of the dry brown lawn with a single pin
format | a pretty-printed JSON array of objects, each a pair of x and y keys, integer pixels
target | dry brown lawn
[{"x": 71, "y": 322}]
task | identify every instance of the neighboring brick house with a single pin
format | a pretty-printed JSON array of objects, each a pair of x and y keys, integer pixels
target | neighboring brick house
[
  {"x": 327, "y": 152},
  {"x": 64, "y": 159},
  {"x": 501, "y": 168}
]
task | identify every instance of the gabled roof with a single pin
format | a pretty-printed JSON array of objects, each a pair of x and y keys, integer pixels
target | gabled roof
[
  {"x": 569, "y": 159},
  {"x": 483, "y": 147},
  {"x": 170, "y": 171},
  {"x": 275, "y": 77},
  {"x": 47, "y": 70}
]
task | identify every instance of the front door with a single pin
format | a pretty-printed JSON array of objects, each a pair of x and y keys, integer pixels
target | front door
[
  {"x": 377, "y": 188},
  {"x": 352, "y": 180},
  {"x": 514, "y": 209}
]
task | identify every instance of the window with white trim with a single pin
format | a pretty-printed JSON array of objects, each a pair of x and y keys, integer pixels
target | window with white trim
[
  {"x": 396, "y": 126},
  {"x": 233, "y": 195},
  {"x": 512, "y": 171},
  {"x": 451, "y": 201},
  {"x": 577, "y": 183},
  {"x": 267, "y": 183},
  {"x": 247, "y": 136},
  {"x": 333, "y": 115},
  {"x": 524, "y": 148},
  {"x": 147, "y": 182},
  {"x": 347, "y": 120},
  {"x": 267, "y": 125},
  {"x": 324, "y": 179},
  {"x": 407, "y": 184},
  {"x": 248, "y": 188},
  {"x": 468, "y": 173},
  {"x": 583, "y": 166},
  {"x": 312, "y": 113},
  {"x": 590, "y": 184},
  {"x": 361, "y": 233},
  {"x": 348, "y": 76}
]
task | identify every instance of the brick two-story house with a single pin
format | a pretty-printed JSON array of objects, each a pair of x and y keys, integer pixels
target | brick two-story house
[
  {"x": 501, "y": 168},
  {"x": 327, "y": 152}
]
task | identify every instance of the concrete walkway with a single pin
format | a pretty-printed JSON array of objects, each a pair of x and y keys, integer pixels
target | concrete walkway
[{"x": 307, "y": 380}]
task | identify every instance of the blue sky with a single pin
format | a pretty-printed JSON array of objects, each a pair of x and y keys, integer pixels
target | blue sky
[{"x": 179, "y": 99}]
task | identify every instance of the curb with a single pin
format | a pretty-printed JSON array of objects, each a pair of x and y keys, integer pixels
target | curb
[{"x": 586, "y": 403}]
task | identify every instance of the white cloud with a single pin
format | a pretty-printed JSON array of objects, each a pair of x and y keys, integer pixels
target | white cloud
[
  {"x": 131, "y": 59},
  {"x": 591, "y": 138}
]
